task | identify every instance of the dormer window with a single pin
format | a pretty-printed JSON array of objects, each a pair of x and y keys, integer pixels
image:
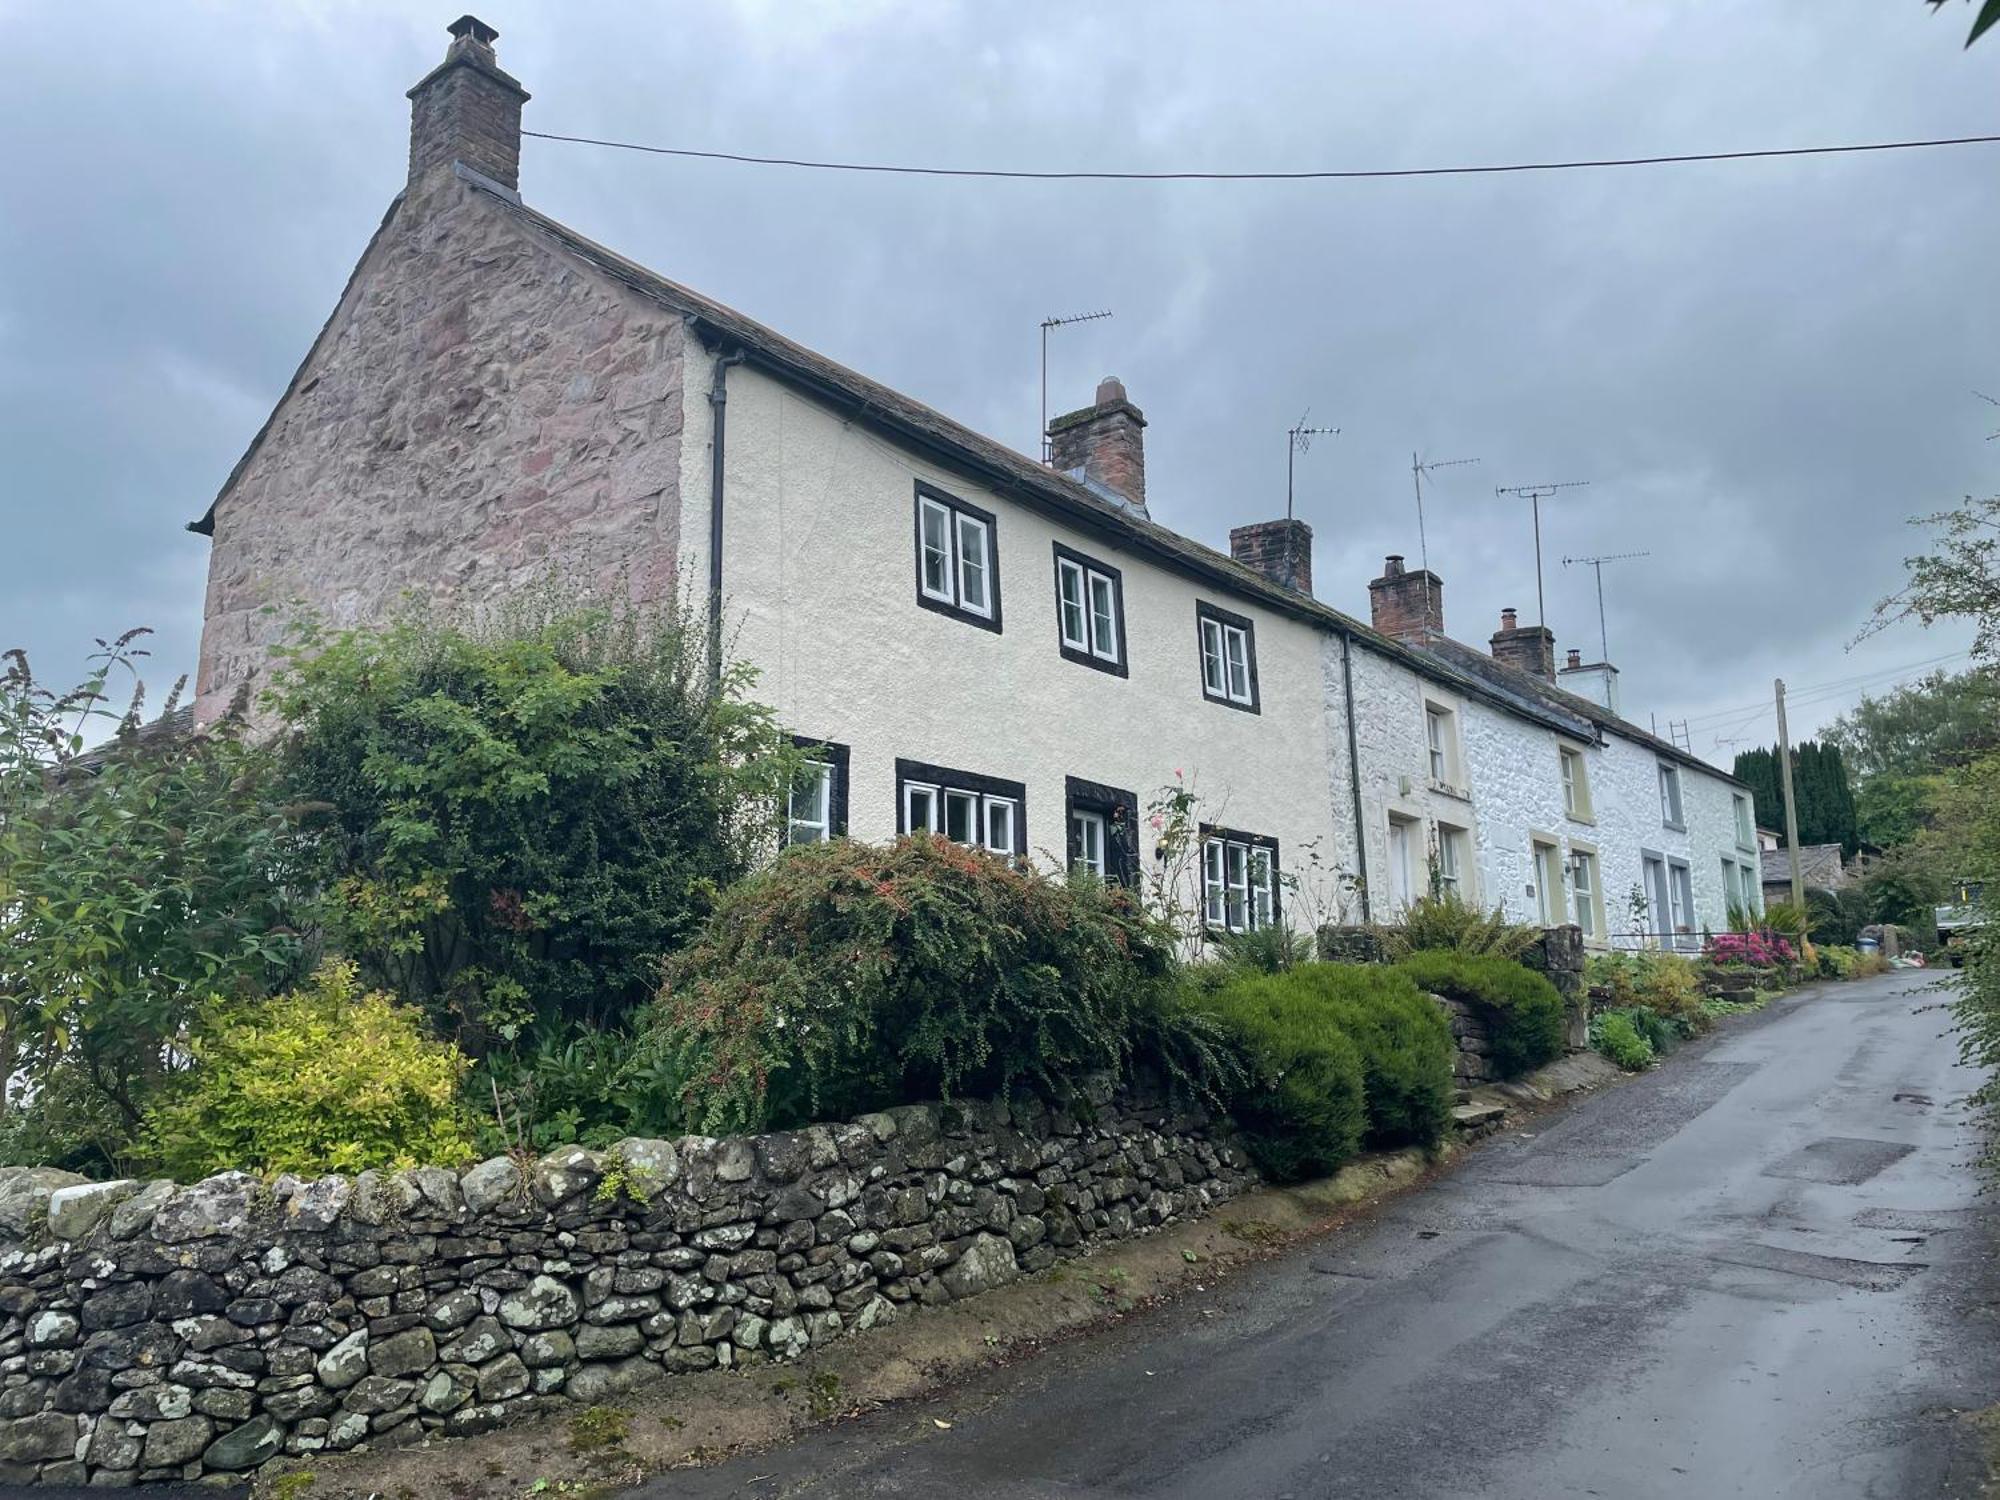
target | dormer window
[{"x": 958, "y": 566}]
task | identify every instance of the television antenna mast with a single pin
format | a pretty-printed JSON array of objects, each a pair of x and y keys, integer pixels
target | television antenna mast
[
  {"x": 1990, "y": 402},
  {"x": 1298, "y": 439},
  {"x": 1533, "y": 493},
  {"x": 1047, "y": 324},
  {"x": 1418, "y": 469},
  {"x": 1596, "y": 565}
]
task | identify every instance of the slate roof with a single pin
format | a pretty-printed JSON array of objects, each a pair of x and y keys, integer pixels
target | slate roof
[
  {"x": 1819, "y": 864},
  {"x": 1020, "y": 478}
]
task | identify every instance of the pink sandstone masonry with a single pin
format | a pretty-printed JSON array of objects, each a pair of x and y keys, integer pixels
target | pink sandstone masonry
[{"x": 476, "y": 414}]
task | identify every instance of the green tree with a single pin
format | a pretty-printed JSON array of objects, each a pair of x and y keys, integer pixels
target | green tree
[
  {"x": 138, "y": 881},
  {"x": 516, "y": 819},
  {"x": 1903, "y": 744},
  {"x": 1988, "y": 14},
  {"x": 1820, "y": 791},
  {"x": 1758, "y": 770}
]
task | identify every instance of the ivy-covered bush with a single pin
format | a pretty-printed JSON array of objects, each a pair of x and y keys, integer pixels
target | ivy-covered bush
[
  {"x": 1522, "y": 1010},
  {"x": 324, "y": 1078},
  {"x": 1402, "y": 1035},
  {"x": 1302, "y": 1102},
  {"x": 517, "y": 817},
  {"x": 847, "y": 977}
]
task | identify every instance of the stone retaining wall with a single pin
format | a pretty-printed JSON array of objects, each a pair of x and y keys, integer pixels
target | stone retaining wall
[{"x": 149, "y": 1331}]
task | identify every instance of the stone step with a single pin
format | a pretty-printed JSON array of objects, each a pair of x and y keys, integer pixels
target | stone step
[{"x": 1470, "y": 1118}]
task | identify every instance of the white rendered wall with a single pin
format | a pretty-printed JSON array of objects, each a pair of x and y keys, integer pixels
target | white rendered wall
[{"x": 819, "y": 577}]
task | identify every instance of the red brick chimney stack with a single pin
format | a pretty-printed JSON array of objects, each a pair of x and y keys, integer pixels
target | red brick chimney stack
[
  {"x": 1281, "y": 550},
  {"x": 1529, "y": 648},
  {"x": 1105, "y": 442},
  {"x": 1406, "y": 605},
  {"x": 467, "y": 110}
]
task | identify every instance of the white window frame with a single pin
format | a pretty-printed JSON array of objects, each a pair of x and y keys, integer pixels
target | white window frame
[
  {"x": 1673, "y": 810},
  {"x": 1746, "y": 822},
  {"x": 1228, "y": 658},
  {"x": 1239, "y": 882},
  {"x": 1403, "y": 833},
  {"x": 1551, "y": 901},
  {"x": 1090, "y": 836},
  {"x": 991, "y": 810},
  {"x": 1454, "y": 860},
  {"x": 1095, "y": 634},
  {"x": 1576, "y": 784},
  {"x": 1441, "y": 743},
  {"x": 969, "y": 556},
  {"x": 929, "y": 794},
  {"x": 1680, "y": 898},
  {"x": 814, "y": 830},
  {"x": 1585, "y": 873}
]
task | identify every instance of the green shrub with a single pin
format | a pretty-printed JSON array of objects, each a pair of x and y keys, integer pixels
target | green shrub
[
  {"x": 1448, "y": 924},
  {"x": 847, "y": 977},
  {"x": 1617, "y": 1036},
  {"x": 1270, "y": 949},
  {"x": 324, "y": 1078},
  {"x": 1662, "y": 982},
  {"x": 577, "y": 1084},
  {"x": 1521, "y": 1008},
  {"x": 517, "y": 818},
  {"x": 1302, "y": 1102},
  {"x": 1837, "y": 961},
  {"x": 1403, "y": 1036}
]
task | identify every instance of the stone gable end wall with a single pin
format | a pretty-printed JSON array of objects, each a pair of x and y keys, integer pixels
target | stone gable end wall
[
  {"x": 480, "y": 409},
  {"x": 154, "y": 1332}
]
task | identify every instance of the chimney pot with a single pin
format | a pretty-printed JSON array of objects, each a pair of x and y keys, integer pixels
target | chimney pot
[
  {"x": 1392, "y": 565},
  {"x": 1509, "y": 619},
  {"x": 468, "y": 110},
  {"x": 1575, "y": 660},
  {"x": 1104, "y": 444}
]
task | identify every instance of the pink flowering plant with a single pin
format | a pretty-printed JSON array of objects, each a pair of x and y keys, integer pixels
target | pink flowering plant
[{"x": 1762, "y": 950}]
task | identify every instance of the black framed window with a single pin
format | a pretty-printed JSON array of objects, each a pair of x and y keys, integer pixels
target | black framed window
[
  {"x": 1228, "y": 646},
  {"x": 817, "y": 807},
  {"x": 958, "y": 558},
  {"x": 985, "y": 812},
  {"x": 1239, "y": 880},
  {"x": 1090, "y": 611},
  {"x": 1103, "y": 823}
]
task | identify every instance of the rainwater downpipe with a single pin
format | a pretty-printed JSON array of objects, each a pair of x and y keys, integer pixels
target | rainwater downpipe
[
  {"x": 1354, "y": 775},
  {"x": 718, "y": 405}
]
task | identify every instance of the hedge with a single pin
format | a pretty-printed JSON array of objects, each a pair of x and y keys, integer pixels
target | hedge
[
  {"x": 1301, "y": 1104},
  {"x": 1521, "y": 1009}
]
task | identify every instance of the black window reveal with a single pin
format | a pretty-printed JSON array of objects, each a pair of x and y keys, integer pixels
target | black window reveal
[
  {"x": 1227, "y": 644},
  {"x": 1103, "y": 823},
  {"x": 817, "y": 806},
  {"x": 1090, "y": 611},
  {"x": 958, "y": 558},
  {"x": 1239, "y": 880},
  {"x": 966, "y": 807}
]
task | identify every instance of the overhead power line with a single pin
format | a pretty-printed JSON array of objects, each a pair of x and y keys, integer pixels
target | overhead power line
[{"x": 901, "y": 169}]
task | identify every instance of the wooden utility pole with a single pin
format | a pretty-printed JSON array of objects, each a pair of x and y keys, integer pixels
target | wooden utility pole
[{"x": 1791, "y": 804}]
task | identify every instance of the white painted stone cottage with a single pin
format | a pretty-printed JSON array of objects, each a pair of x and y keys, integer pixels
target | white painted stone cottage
[{"x": 1010, "y": 653}]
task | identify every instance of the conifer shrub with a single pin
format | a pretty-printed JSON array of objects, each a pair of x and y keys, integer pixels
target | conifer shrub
[
  {"x": 1522, "y": 1010},
  {"x": 848, "y": 976},
  {"x": 323, "y": 1078},
  {"x": 1403, "y": 1037},
  {"x": 1301, "y": 1103}
]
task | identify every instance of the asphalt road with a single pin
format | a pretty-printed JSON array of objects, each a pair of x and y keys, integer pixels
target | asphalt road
[{"x": 1762, "y": 1270}]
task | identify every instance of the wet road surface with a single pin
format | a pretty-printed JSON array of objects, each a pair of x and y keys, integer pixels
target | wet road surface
[{"x": 1763, "y": 1270}]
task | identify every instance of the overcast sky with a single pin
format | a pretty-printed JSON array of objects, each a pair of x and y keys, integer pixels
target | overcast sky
[{"x": 1762, "y": 367}]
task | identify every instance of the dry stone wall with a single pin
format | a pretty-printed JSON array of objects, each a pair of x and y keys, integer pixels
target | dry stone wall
[{"x": 156, "y": 1332}]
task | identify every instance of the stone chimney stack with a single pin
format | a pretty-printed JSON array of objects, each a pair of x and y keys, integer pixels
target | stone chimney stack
[
  {"x": 1104, "y": 444},
  {"x": 1529, "y": 648},
  {"x": 1408, "y": 606},
  {"x": 467, "y": 110},
  {"x": 1281, "y": 550},
  {"x": 1595, "y": 680}
]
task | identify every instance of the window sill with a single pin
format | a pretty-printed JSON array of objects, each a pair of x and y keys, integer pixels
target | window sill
[
  {"x": 1673, "y": 827},
  {"x": 1588, "y": 820},
  {"x": 1085, "y": 658},
  {"x": 1446, "y": 789},
  {"x": 957, "y": 612},
  {"x": 1242, "y": 708}
]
